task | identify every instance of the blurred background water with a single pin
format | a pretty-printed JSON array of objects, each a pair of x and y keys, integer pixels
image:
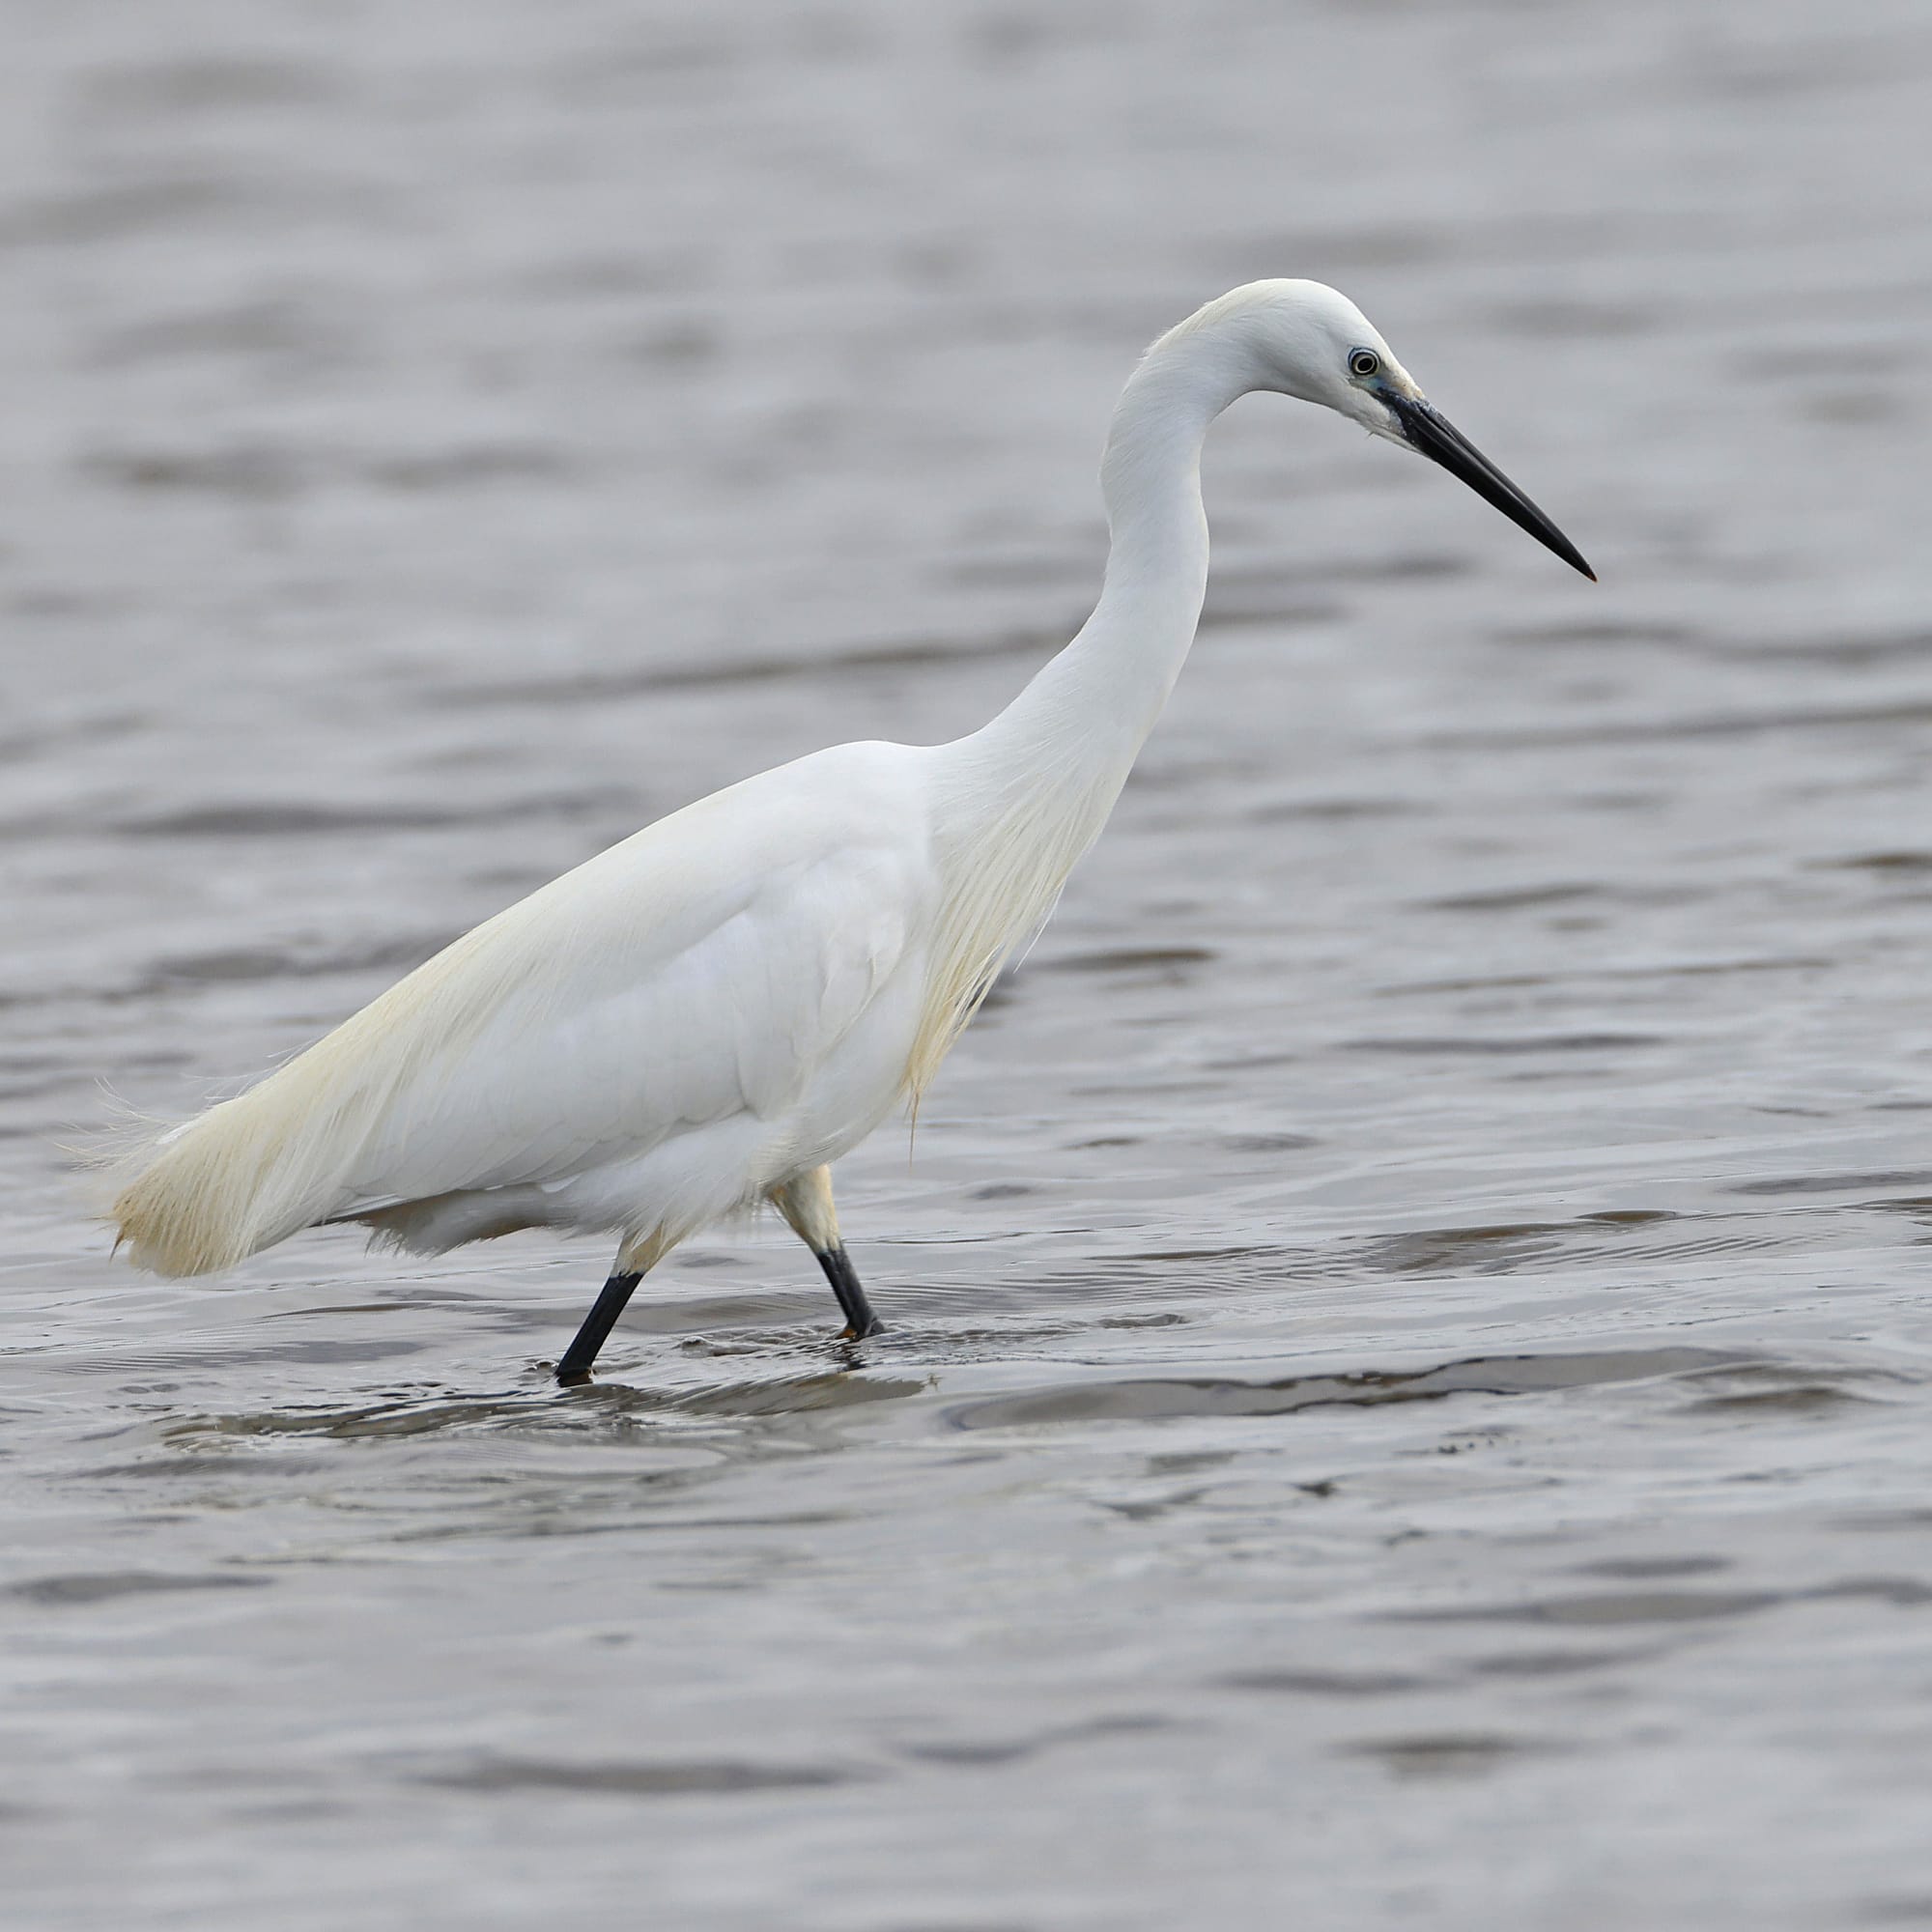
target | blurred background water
[{"x": 1410, "y": 1392}]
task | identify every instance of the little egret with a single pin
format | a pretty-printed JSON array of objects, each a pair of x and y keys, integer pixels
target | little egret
[{"x": 709, "y": 1014}]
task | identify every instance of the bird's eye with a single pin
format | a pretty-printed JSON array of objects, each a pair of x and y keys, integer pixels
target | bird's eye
[{"x": 1364, "y": 363}]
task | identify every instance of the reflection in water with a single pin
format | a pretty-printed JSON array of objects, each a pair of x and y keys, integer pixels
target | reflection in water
[{"x": 598, "y": 1409}]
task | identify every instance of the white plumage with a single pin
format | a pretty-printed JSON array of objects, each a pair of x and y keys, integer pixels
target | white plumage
[{"x": 710, "y": 1013}]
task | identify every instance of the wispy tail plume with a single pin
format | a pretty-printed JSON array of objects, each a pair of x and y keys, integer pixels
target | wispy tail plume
[{"x": 232, "y": 1181}]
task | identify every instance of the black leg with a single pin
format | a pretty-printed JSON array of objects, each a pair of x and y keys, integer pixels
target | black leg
[
  {"x": 860, "y": 1320},
  {"x": 597, "y": 1326}
]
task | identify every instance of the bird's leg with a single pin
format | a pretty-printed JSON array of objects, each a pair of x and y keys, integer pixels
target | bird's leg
[
  {"x": 859, "y": 1320},
  {"x": 807, "y": 1206},
  {"x": 634, "y": 1260}
]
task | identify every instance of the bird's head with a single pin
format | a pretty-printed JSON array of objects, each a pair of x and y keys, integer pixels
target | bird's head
[{"x": 1306, "y": 340}]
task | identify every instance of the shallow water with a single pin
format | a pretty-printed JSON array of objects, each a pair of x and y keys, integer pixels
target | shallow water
[{"x": 1409, "y": 1399}]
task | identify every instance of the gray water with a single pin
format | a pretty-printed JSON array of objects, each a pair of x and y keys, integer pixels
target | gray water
[{"x": 1409, "y": 1399}]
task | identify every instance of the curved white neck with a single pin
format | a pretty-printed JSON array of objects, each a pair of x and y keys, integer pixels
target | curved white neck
[
  {"x": 1019, "y": 800},
  {"x": 1077, "y": 726}
]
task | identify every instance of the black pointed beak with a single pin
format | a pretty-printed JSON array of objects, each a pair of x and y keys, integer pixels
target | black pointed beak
[{"x": 1430, "y": 432}]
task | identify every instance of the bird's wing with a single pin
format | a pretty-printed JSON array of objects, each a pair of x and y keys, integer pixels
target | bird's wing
[{"x": 703, "y": 969}]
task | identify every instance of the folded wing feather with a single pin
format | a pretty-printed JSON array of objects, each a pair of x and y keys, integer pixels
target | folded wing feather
[{"x": 704, "y": 968}]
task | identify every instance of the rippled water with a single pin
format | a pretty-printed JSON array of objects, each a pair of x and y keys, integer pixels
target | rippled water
[{"x": 1410, "y": 1392}]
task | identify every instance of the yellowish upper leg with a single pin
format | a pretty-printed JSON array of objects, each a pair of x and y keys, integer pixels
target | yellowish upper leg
[
  {"x": 641, "y": 1253},
  {"x": 807, "y": 1206}
]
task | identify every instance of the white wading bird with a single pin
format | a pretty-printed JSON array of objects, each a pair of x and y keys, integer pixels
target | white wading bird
[{"x": 709, "y": 1014}]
